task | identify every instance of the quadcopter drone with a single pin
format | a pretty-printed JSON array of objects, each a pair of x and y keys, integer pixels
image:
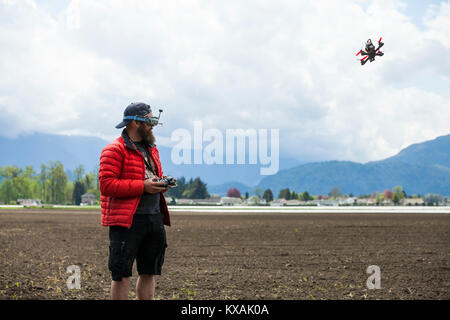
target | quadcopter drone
[{"x": 370, "y": 52}]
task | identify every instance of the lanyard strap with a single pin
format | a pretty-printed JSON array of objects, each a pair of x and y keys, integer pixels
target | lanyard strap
[{"x": 148, "y": 165}]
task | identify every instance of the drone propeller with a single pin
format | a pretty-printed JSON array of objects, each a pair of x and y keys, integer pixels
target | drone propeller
[
  {"x": 380, "y": 39},
  {"x": 359, "y": 52},
  {"x": 364, "y": 58}
]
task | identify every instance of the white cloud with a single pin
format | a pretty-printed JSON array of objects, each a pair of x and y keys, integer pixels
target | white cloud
[{"x": 233, "y": 64}]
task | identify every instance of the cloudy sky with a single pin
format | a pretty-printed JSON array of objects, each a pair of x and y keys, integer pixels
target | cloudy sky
[{"x": 71, "y": 67}]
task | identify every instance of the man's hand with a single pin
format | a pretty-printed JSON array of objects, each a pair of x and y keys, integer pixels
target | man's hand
[{"x": 151, "y": 186}]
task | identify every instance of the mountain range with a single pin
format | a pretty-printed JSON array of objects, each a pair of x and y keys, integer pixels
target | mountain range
[{"x": 420, "y": 168}]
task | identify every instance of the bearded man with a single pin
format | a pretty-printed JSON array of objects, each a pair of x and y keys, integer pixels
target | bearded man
[{"x": 133, "y": 205}]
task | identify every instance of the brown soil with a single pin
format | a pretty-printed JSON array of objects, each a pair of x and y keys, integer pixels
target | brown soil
[{"x": 236, "y": 255}]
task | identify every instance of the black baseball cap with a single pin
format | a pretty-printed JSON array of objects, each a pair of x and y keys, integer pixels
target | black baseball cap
[{"x": 133, "y": 111}]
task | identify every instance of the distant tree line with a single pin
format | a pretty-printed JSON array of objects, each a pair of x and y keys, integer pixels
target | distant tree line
[
  {"x": 51, "y": 184},
  {"x": 292, "y": 195},
  {"x": 192, "y": 189},
  {"x": 395, "y": 196}
]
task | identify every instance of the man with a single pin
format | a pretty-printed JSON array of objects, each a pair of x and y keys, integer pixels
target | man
[{"x": 133, "y": 205}]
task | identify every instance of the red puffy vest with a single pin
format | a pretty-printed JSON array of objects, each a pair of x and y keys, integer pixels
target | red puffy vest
[{"x": 121, "y": 181}]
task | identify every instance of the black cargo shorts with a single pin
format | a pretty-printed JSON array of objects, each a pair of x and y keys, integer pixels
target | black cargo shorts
[{"x": 144, "y": 242}]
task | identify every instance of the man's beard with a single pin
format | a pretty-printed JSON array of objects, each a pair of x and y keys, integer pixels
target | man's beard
[{"x": 147, "y": 136}]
